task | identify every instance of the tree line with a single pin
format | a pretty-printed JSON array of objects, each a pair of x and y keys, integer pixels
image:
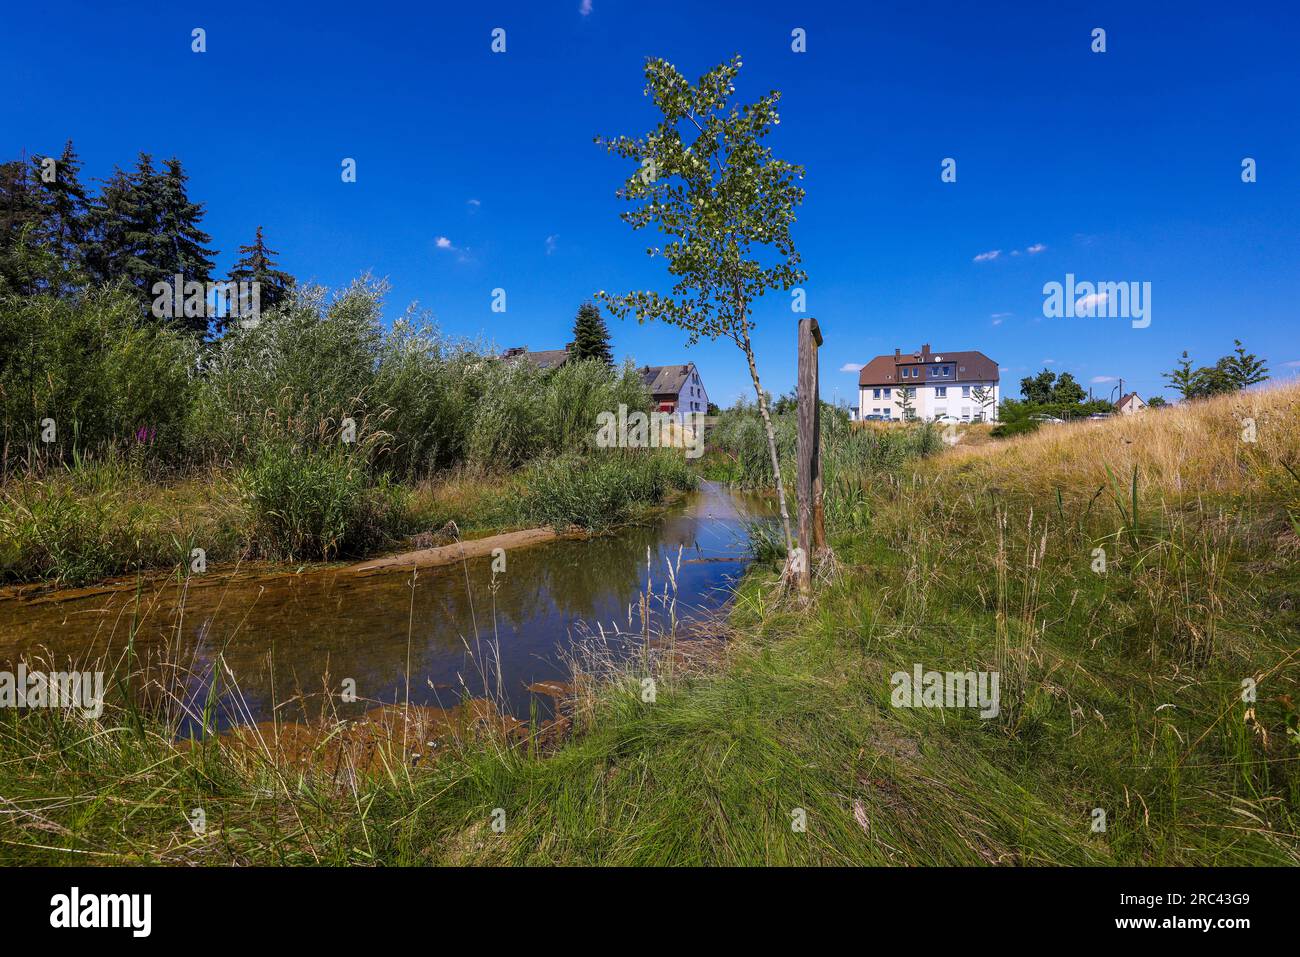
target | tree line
[{"x": 59, "y": 236}]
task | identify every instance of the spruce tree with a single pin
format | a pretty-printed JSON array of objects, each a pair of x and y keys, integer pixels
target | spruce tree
[
  {"x": 19, "y": 219},
  {"x": 143, "y": 229},
  {"x": 181, "y": 245},
  {"x": 63, "y": 217},
  {"x": 123, "y": 226},
  {"x": 257, "y": 265},
  {"x": 143, "y": 265},
  {"x": 591, "y": 335}
]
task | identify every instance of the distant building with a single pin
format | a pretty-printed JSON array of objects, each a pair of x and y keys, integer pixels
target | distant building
[
  {"x": 675, "y": 389},
  {"x": 939, "y": 384},
  {"x": 1129, "y": 404},
  {"x": 547, "y": 359}
]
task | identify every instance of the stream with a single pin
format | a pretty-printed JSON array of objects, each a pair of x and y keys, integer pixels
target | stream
[{"x": 291, "y": 641}]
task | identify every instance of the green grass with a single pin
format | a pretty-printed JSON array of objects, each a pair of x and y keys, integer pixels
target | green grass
[
  {"x": 310, "y": 505},
  {"x": 604, "y": 489},
  {"x": 1120, "y": 691}
]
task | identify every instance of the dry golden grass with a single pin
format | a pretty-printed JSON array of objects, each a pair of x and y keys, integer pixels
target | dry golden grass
[
  {"x": 1187, "y": 449},
  {"x": 473, "y": 500}
]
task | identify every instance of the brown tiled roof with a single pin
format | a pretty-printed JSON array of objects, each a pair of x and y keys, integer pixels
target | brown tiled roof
[
  {"x": 547, "y": 359},
  {"x": 968, "y": 367},
  {"x": 1124, "y": 399}
]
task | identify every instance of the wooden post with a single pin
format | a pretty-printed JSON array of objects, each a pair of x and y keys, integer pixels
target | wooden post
[{"x": 812, "y": 531}]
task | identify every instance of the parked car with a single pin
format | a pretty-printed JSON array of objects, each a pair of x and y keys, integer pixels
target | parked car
[
  {"x": 1098, "y": 416},
  {"x": 946, "y": 419},
  {"x": 1046, "y": 419},
  {"x": 874, "y": 418}
]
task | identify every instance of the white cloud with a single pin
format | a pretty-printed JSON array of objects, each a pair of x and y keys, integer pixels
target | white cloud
[
  {"x": 1293, "y": 364},
  {"x": 585, "y": 8},
  {"x": 1049, "y": 362},
  {"x": 851, "y": 367},
  {"x": 442, "y": 242},
  {"x": 1035, "y": 249},
  {"x": 1099, "y": 379},
  {"x": 989, "y": 256},
  {"x": 1093, "y": 300},
  {"x": 550, "y": 243},
  {"x": 473, "y": 203}
]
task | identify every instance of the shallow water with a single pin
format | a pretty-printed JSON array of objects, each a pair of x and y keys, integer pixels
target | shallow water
[{"x": 289, "y": 638}]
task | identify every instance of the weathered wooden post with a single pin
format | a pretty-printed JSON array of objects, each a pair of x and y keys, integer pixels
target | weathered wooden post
[{"x": 812, "y": 529}]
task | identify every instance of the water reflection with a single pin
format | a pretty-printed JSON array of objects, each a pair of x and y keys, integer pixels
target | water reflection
[{"x": 284, "y": 636}]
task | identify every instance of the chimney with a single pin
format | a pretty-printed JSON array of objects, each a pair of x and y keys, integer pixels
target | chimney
[{"x": 925, "y": 351}]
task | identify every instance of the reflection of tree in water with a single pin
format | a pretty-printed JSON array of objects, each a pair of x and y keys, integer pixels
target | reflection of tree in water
[{"x": 590, "y": 577}]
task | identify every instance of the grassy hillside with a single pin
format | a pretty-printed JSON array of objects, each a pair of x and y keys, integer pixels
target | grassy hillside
[{"x": 1120, "y": 691}]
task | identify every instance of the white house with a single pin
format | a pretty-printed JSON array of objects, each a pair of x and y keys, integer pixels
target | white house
[
  {"x": 676, "y": 389},
  {"x": 1129, "y": 404},
  {"x": 963, "y": 385}
]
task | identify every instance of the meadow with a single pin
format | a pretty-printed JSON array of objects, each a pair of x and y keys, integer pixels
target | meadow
[{"x": 1147, "y": 709}]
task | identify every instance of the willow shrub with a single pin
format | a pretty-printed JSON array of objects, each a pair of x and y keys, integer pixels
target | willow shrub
[
  {"x": 96, "y": 367},
  {"x": 300, "y": 370},
  {"x": 309, "y": 504},
  {"x": 602, "y": 489}
]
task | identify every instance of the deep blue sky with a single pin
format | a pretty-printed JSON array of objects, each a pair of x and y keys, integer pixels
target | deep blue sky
[{"x": 1124, "y": 165}]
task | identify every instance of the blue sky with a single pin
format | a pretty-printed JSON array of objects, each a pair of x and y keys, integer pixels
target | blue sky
[{"x": 1122, "y": 166}]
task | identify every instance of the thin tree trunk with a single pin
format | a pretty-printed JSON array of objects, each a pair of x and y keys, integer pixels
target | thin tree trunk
[{"x": 771, "y": 442}]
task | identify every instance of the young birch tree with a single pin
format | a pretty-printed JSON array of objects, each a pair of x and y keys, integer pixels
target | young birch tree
[{"x": 705, "y": 180}]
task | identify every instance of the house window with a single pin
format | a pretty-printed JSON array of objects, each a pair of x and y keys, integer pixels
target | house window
[
  {"x": 965, "y": 392},
  {"x": 941, "y": 392},
  {"x": 875, "y": 393},
  {"x": 886, "y": 393},
  {"x": 947, "y": 371}
]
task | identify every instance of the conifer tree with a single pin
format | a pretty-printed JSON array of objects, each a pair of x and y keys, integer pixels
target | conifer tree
[
  {"x": 256, "y": 264},
  {"x": 144, "y": 230},
  {"x": 62, "y": 217},
  {"x": 19, "y": 216},
  {"x": 181, "y": 245},
  {"x": 122, "y": 225},
  {"x": 591, "y": 335}
]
